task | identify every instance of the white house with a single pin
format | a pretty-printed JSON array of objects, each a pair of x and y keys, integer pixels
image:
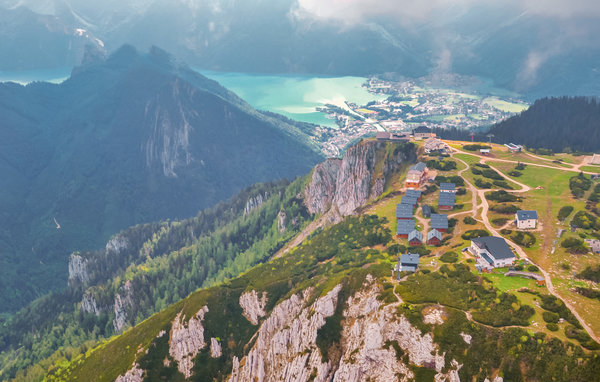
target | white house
[
  {"x": 526, "y": 219},
  {"x": 493, "y": 250}
]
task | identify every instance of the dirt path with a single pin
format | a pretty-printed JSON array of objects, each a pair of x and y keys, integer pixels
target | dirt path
[
  {"x": 518, "y": 249},
  {"x": 491, "y": 159},
  {"x": 425, "y": 224}
]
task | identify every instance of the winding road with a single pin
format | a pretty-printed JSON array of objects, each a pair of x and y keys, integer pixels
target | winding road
[{"x": 484, "y": 219}]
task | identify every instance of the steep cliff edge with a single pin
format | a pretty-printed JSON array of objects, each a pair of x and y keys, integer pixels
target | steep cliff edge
[
  {"x": 329, "y": 311},
  {"x": 339, "y": 187}
]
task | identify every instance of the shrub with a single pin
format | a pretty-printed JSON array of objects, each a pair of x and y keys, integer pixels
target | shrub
[
  {"x": 552, "y": 327},
  {"x": 503, "y": 184},
  {"x": 579, "y": 184},
  {"x": 574, "y": 245},
  {"x": 442, "y": 165},
  {"x": 515, "y": 173},
  {"x": 476, "y": 171},
  {"x": 499, "y": 222},
  {"x": 501, "y": 196},
  {"x": 491, "y": 174},
  {"x": 475, "y": 147},
  {"x": 461, "y": 191},
  {"x": 519, "y": 268},
  {"x": 480, "y": 183},
  {"x": 533, "y": 268},
  {"x": 550, "y": 317},
  {"x": 585, "y": 220},
  {"x": 475, "y": 233},
  {"x": 508, "y": 209},
  {"x": 525, "y": 239},
  {"x": 469, "y": 220},
  {"x": 564, "y": 212},
  {"x": 520, "y": 166},
  {"x": 589, "y": 273},
  {"x": 449, "y": 257},
  {"x": 565, "y": 266}
]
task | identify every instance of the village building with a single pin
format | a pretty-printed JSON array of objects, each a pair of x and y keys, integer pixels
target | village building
[
  {"x": 404, "y": 211},
  {"x": 414, "y": 194},
  {"x": 492, "y": 251},
  {"x": 434, "y": 237},
  {"x": 594, "y": 245},
  {"x": 392, "y": 136},
  {"x": 415, "y": 238},
  {"x": 448, "y": 187},
  {"x": 595, "y": 159},
  {"x": 423, "y": 132},
  {"x": 446, "y": 201},
  {"x": 439, "y": 222},
  {"x": 484, "y": 151},
  {"x": 411, "y": 200},
  {"x": 434, "y": 145},
  {"x": 404, "y": 228},
  {"x": 426, "y": 209},
  {"x": 526, "y": 219},
  {"x": 406, "y": 263},
  {"x": 514, "y": 148},
  {"x": 416, "y": 175}
]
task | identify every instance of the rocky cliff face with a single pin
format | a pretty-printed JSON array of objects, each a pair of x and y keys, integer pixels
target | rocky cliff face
[
  {"x": 286, "y": 345},
  {"x": 123, "y": 303},
  {"x": 341, "y": 186},
  {"x": 187, "y": 339},
  {"x": 78, "y": 273}
]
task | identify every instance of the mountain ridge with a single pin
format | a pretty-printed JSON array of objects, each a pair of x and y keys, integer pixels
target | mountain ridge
[{"x": 128, "y": 139}]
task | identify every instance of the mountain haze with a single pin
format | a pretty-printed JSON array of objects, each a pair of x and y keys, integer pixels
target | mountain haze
[{"x": 127, "y": 139}]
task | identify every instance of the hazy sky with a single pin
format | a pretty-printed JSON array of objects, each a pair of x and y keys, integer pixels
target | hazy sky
[{"x": 352, "y": 11}]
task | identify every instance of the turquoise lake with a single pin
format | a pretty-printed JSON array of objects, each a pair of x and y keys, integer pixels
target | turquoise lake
[{"x": 296, "y": 97}]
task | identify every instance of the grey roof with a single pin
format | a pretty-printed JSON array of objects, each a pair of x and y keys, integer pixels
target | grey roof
[
  {"x": 496, "y": 246},
  {"x": 439, "y": 221},
  {"x": 526, "y": 215},
  {"x": 405, "y": 227},
  {"x": 409, "y": 259},
  {"x": 434, "y": 233},
  {"x": 413, "y": 193},
  {"x": 446, "y": 199},
  {"x": 447, "y": 186},
  {"x": 411, "y": 200},
  {"x": 414, "y": 234},
  {"x": 426, "y": 210},
  {"x": 404, "y": 211},
  {"x": 422, "y": 129},
  {"x": 421, "y": 166}
]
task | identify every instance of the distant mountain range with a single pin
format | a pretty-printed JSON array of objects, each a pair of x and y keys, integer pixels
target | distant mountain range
[
  {"x": 525, "y": 50},
  {"x": 126, "y": 139}
]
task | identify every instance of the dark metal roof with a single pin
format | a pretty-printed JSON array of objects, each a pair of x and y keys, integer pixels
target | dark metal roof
[
  {"x": 413, "y": 193},
  {"x": 446, "y": 199},
  {"x": 526, "y": 215},
  {"x": 418, "y": 167},
  {"x": 404, "y": 211},
  {"x": 411, "y": 200},
  {"x": 439, "y": 221},
  {"x": 447, "y": 186},
  {"x": 409, "y": 259},
  {"x": 496, "y": 246},
  {"x": 426, "y": 211},
  {"x": 405, "y": 227}
]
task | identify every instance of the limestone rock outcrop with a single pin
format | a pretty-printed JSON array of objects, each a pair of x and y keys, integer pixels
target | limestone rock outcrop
[
  {"x": 186, "y": 340},
  {"x": 78, "y": 272},
  {"x": 253, "y": 306},
  {"x": 344, "y": 185}
]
